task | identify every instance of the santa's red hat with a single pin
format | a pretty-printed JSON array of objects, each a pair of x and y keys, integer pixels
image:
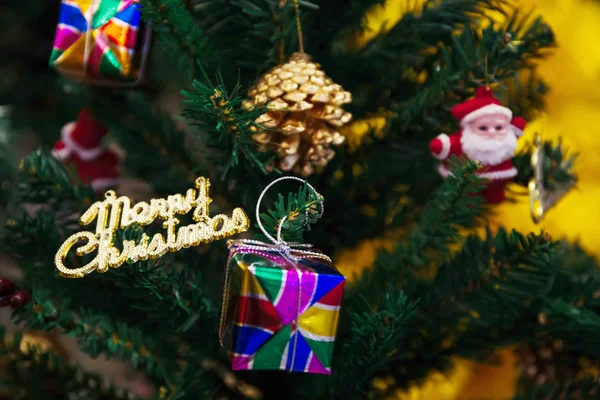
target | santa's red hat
[
  {"x": 82, "y": 137},
  {"x": 484, "y": 103}
]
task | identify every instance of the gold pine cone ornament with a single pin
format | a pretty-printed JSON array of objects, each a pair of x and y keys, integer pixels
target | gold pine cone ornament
[{"x": 303, "y": 117}]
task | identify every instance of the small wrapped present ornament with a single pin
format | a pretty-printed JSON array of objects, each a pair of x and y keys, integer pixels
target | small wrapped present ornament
[
  {"x": 281, "y": 307},
  {"x": 280, "y": 313},
  {"x": 97, "y": 42}
]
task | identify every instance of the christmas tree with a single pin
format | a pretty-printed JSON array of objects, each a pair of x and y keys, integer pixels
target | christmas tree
[{"x": 244, "y": 92}]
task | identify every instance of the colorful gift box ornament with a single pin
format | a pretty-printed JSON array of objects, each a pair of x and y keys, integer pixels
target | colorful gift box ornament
[
  {"x": 97, "y": 40},
  {"x": 281, "y": 306},
  {"x": 281, "y": 313}
]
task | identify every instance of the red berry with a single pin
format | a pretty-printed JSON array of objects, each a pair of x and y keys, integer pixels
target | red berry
[
  {"x": 19, "y": 299},
  {"x": 7, "y": 287}
]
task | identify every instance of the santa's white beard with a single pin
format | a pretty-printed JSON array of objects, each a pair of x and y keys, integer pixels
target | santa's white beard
[{"x": 488, "y": 151}]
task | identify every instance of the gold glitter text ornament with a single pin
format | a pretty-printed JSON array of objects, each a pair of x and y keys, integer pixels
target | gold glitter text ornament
[
  {"x": 304, "y": 114},
  {"x": 117, "y": 212}
]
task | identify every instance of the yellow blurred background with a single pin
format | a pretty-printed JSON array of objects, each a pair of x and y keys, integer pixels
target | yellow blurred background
[{"x": 572, "y": 72}]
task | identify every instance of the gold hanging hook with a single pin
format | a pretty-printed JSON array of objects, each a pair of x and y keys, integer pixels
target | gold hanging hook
[
  {"x": 487, "y": 76},
  {"x": 299, "y": 27}
]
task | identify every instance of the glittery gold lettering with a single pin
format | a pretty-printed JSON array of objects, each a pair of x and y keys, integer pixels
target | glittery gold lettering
[{"x": 117, "y": 212}]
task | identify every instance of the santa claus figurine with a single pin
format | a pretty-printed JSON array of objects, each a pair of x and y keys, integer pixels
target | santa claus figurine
[
  {"x": 81, "y": 145},
  {"x": 489, "y": 135}
]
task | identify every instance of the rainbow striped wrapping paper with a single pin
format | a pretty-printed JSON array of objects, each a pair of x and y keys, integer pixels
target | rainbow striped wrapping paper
[
  {"x": 280, "y": 314},
  {"x": 96, "y": 38}
]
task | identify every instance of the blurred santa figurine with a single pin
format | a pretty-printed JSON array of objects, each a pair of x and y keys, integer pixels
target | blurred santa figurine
[
  {"x": 81, "y": 146},
  {"x": 489, "y": 135}
]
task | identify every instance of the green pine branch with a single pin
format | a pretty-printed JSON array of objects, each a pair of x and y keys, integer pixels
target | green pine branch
[
  {"x": 572, "y": 389},
  {"x": 165, "y": 301},
  {"x": 45, "y": 180},
  {"x": 149, "y": 134},
  {"x": 176, "y": 298},
  {"x": 408, "y": 46},
  {"x": 376, "y": 336},
  {"x": 499, "y": 52},
  {"x": 472, "y": 60},
  {"x": 485, "y": 287},
  {"x": 301, "y": 210},
  {"x": 579, "y": 279},
  {"x": 500, "y": 289},
  {"x": 97, "y": 333},
  {"x": 578, "y": 327},
  {"x": 525, "y": 94},
  {"x": 8, "y": 164},
  {"x": 37, "y": 374},
  {"x": 575, "y": 293},
  {"x": 421, "y": 26},
  {"x": 252, "y": 35},
  {"x": 454, "y": 205},
  {"x": 186, "y": 43},
  {"x": 226, "y": 126},
  {"x": 548, "y": 370},
  {"x": 33, "y": 240},
  {"x": 475, "y": 301},
  {"x": 270, "y": 31},
  {"x": 451, "y": 71},
  {"x": 190, "y": 384},
  {"x": 515, "y": 45},
  {"x": 421, "y": 110}
]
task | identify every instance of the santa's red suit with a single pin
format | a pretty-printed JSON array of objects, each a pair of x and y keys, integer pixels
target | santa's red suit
[
  {"x": 81, "y": 146},
  {"x": 496, "y": 168}
]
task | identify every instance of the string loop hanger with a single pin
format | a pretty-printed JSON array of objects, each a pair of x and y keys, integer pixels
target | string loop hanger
[{"x": 279, "y": 240}]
